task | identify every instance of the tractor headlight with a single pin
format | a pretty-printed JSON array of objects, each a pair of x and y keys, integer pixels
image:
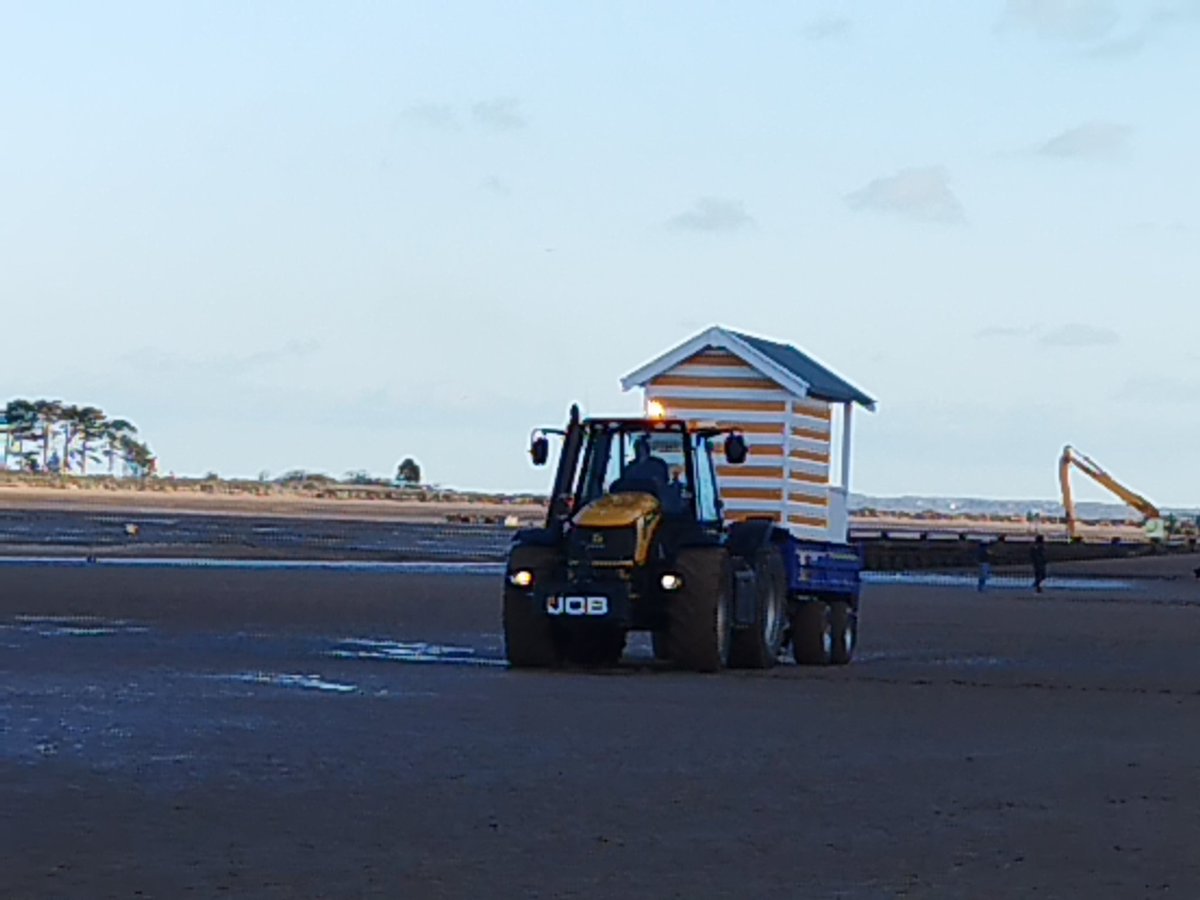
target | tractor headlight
[
  {"x": 522, "y": 578},
  {"x": 670, "y": 582}
]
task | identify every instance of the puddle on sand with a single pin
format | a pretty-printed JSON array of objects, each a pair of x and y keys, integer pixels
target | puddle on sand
[
  {"x": 307, "y": 682},
  {"x": 414, "y": 651}
]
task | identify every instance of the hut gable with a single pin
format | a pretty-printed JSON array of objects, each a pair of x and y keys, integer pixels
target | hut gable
[{"x": 781, "y": 400}]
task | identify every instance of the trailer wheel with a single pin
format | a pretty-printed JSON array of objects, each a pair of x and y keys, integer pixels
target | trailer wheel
[
  {"x": 843, "y": 627},
  {"x": 530, "y": 640},
  {"x": 700, "y": 618},
  {"x": 812, "y": 635},
  {"x": 757, "y": 646}
]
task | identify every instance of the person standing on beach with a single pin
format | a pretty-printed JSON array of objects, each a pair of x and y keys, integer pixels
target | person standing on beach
[
  {"x": 1037, "y": 555},
  {"x": 983, "y": 557}
]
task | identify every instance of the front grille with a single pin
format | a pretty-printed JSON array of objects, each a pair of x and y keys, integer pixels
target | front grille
[{"x": 602, "y": 545}]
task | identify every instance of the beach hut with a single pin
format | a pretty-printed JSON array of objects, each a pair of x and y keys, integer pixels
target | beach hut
[{"x": 791, "y": 410}]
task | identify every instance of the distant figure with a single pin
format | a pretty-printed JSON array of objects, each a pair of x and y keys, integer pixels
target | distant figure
[
  {"x": 1037, "y": 555},
  {"x": 983, "y": 557}
]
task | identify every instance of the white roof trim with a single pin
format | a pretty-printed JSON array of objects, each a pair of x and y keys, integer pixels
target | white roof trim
[{"x": 721, "y": 339}]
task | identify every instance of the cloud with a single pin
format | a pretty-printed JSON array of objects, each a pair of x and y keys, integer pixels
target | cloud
[
  {"x": 156, "y": 362},
  {"x": 433, "y": 115},
  {"x": 501, "y": 114},
  {"x": 922, "y": 194},
  {"x": 1089, "y": 140},
  {"x": 1160, "y": 389},
  {"x": 826, "y": 27},
  {"x": 1158, "y": 23},
  {"x": 494, "y": 184},
  {"x": 712, "y": 214},
  {"x": 992, "y": 332},
  {"x": 1071, "y": 20},
  {"x": 1080, "y": 334}
]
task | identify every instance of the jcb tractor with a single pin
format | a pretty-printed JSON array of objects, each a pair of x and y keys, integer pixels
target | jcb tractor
[{"x": 635, "y": 539}]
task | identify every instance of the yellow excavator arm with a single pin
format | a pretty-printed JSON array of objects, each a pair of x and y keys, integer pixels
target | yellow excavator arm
[{"x": 1151, "y": 517}]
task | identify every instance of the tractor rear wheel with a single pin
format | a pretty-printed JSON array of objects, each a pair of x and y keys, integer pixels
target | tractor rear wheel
[
  {"x": 700, "y": 620},
  {"x": 812, "y": 636},
  {"x": 530, "y": 640},
  {"x": 757, "y": 646}
]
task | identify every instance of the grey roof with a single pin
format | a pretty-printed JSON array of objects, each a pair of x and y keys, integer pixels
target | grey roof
[{"x": 822, "y": 383}]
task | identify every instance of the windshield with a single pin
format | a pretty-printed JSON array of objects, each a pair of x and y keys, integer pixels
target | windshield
[{"x": 635, "y": 457}]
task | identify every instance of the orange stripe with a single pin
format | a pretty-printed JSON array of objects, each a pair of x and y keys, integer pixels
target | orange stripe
[
  {"x": 718, "y": 405},
  {"x": 755, "y": 427},
  {"x": 811, "y": 434},
  {"x": 809, "y": 456},
  {"x": 806, "y": 478},
  {"x": 808, "y": 499},
  {"x": 807, "y": 520},
  {"x": 750, "y": 471},
  {"x": 699, "y": 381},
  {"x": 766, "y": 450},
  {"x": 745, "y": 493}
]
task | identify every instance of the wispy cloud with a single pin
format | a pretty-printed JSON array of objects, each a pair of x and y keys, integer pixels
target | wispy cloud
[
  {"x": 922, "y": 194},
  {"x": 494, "y": 184},
  {"x": 826, "y": 27},
  {"x": 712, "y": 214},
  {"x": 1071, "y": 20},
  {"x": 1089, "y": 140},
  {"x": 500, "y": 114},
  {"x": 1158, "y": 22},
  {"x": 1160, "y": 389},
  {"x": 433, "y": 115},
  {"x": 995, "y": 332},
  {"x": 1080, "y": 334},
  {"x": 157, "y": 362}
]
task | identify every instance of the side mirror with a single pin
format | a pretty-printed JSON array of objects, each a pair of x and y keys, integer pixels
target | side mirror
[
  {"x": 735, "y": 449},
  {"x": 539, "y": 450}
]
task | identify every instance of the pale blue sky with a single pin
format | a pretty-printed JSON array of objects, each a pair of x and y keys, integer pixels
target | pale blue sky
[{"x": 329, "y": 235}]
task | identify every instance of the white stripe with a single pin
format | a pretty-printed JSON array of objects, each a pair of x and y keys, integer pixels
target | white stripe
[
  {"x": 799, "y": 420},
  {"x": 700, "y": 370},
  {"x": 736, "y": 503}
]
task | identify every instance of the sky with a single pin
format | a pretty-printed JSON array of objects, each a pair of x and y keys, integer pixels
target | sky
[{"x": 332, "y": 235}]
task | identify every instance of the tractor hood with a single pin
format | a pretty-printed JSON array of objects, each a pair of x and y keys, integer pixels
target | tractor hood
[{"x": 618, "y": 510}]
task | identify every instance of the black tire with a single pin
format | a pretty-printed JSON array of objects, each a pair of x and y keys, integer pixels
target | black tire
[
  {"x": 811, "y": 637},
  {"x": 530, "y": 640},
  {"x": 662, "y": 648},
  {"x": 843, "y": 627},
  {"x": 757, "y": 646},
  {"x": 700, "y": 619}
]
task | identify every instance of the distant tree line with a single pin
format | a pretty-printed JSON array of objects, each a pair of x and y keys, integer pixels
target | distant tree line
[{"x": 55, "y": 437}]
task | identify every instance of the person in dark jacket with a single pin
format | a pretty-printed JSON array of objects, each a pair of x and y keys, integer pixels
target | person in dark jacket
[
  {"x": 1037, "y": 555},
  {"x": 983, "y": 557}
]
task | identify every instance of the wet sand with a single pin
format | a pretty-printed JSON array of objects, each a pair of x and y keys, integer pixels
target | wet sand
[{"x": 275, "y": 734}]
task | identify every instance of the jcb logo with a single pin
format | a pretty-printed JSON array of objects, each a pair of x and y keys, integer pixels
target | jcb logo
[{"x": 577, "y": 606}]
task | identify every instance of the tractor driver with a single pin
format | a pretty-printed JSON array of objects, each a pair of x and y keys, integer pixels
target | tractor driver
[{"x": 646, "y": 466}]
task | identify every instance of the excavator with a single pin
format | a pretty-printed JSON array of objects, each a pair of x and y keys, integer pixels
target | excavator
[{"x": 1152, "y": 519}]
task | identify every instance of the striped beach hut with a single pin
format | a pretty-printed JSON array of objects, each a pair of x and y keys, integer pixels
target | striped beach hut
[{"x": 794, "y": 413}]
